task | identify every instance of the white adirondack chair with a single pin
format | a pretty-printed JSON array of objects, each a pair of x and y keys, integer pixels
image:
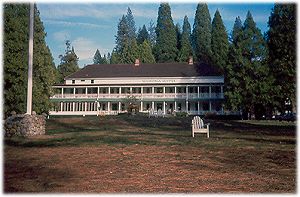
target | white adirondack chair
[{"x": 199, "y": 127}]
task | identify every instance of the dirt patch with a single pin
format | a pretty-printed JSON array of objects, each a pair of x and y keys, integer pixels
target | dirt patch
[
  {"x": 142, "y": 155},
  {"x": 134, "y": 168}
]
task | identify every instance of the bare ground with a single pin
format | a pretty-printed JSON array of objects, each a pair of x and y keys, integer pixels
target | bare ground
[{"x": 138, "y": 168}]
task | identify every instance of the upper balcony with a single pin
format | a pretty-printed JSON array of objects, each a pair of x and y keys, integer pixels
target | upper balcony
[{"x": 143, "y": 96}]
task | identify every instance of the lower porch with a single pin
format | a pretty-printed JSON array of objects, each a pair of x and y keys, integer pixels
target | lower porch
[{"x": 114, "y": 108}]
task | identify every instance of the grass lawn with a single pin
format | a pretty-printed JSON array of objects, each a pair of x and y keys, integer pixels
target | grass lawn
[{"x": 136, "y": 154}]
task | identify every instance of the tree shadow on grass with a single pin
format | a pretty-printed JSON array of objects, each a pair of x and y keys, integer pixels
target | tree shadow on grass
[
  {"x": 248, "y": 128},
  {"x": 27, "y": 174}
]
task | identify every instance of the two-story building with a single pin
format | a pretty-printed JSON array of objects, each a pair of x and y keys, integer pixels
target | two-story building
[{"x": 171, "y": 87}]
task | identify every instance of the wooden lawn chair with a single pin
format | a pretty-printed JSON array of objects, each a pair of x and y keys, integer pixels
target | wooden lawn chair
[{"x": 199, "y": 127}]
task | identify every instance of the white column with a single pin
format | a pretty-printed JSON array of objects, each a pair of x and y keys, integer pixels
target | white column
[
  {"x": 164, "y": 107},
  {"x": 187, "y": 106},
  {"x": 198, "y": 107},
  {"x": 175, "y": 106},
  {"x": 109, "y": 90},
  {"x": 187, "y": 92},
  {"x": 141, "y": 106},
  {"x": 61, "y": 106},
  {"x": 198, "y": 92},
  {"x": 142, "y": 91},
  {"x": 85, "y": 106},
  {"x": 130, "y": 89},
  {"x": 187, "y": 99},
  {"x": 153, "y": 105},
  {"x": 74, "y": 92},
  {"x": 86, "y": 91},
  {"x": 209, "y": 91},
  {"x": 119, "y": 107},
  {"x": 152, "y": 90},
  {"x": 62, "y": 92},
  {"x": 108, "y": 107},
  {"x": 209, "y": 105},
  {"x": 98, "y": 92},
  {"x": 164, "y": 90},
  {"x": 73, "y": 106},
  {"x": 120, "y": 90}
]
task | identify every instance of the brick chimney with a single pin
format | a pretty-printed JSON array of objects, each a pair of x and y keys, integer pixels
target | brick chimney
[
  {"x": 137, "y": 62},
  {"x": 191, "y": 60}
]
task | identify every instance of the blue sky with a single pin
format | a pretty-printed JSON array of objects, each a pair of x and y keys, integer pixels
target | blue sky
[{"x": 93, "y": 26}]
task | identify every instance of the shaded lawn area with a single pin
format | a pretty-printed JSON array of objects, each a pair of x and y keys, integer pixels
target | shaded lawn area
[{"x": 137, "y": 154}]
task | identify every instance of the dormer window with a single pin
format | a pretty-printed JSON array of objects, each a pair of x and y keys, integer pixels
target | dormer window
[
  {"x": 73, "y": 81},
  {"x": 92, "y": 81}
]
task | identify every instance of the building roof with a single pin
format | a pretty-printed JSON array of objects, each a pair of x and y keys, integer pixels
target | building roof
[{"x": 145, "y": 70}]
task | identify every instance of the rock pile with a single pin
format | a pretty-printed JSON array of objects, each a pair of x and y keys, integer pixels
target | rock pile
[{"x": 24, "y": 125}]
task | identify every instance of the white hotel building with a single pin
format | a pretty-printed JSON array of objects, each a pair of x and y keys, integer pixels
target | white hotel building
[{"x": 171, "y": 87}]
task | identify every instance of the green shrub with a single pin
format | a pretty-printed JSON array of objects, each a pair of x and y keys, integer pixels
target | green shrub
[{"x": 182, "y": 114}]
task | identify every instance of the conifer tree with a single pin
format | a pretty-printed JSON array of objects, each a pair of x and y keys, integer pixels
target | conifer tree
[
  {"x": 104, "y": 60},
  {"x": 126, "y": 46},
  {"x": 178, "y": 36},
  {"x": 114, "y": 58},
  {"x": 281, "y": 40},
  {"x": 129, "y": 54},
  {"x": 142, "y": 35},
  {"x": 247, "y": 73},
  {"x": 219, "y": 42},
  {"x": 152, "y": 34},
  {"x": 145, "y": 53},
  {"x": 122, "y": 37},
  {"x": 131, "y": 25},
  {"x": 97, "y": 57},
  {"x": 68, "y": 62},
  {"x": 234, "y": 73},
  {"x": 15, "y": 56},
  {"x": 185, "y": 45},
  {"x": 201, "y": 35},
  {"x": 165, "y": 49}
]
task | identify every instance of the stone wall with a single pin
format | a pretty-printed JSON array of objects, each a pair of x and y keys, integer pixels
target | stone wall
[{"x": 24, "y": 125}]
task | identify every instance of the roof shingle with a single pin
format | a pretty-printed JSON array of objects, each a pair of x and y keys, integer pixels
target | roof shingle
[{"x": 145, "y": 70}]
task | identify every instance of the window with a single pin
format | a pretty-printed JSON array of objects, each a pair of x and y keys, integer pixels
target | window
[
  {"x": 92, "y": 81},
  {"x": 114, "y": 106},
  {"x": 82, "y": 80},
  {"x": 73, "y": 81}
]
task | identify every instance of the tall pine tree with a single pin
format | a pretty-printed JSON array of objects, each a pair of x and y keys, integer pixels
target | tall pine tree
[
  {"x": 219, "y": 42},
  {"x": 185, "y": 45},
  {"x": 126, "y": 46},
  {"x": 202, "y": 34},
  {"x": 247, "y": 77},
  {"x": 166, "y": 43},
  {"x": 68, "y": 62},
  {"x": 15, "y": 56},
  {"x": 142, "y": 35},
  {"x": 97, "y": 57},
  {"x": 122, "y": 37},
  {"x": 152, "y": 33},
  {"x": 233, "y": 73},
  {"x": 145, "y": 53},
  {"x": 178, "y": 37},
  {"x": 131, "y": 25},
  {"x": 281, "y": 40}
]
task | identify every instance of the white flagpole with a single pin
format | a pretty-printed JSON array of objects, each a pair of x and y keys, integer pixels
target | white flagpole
[{"x": 30, "y": 60}]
